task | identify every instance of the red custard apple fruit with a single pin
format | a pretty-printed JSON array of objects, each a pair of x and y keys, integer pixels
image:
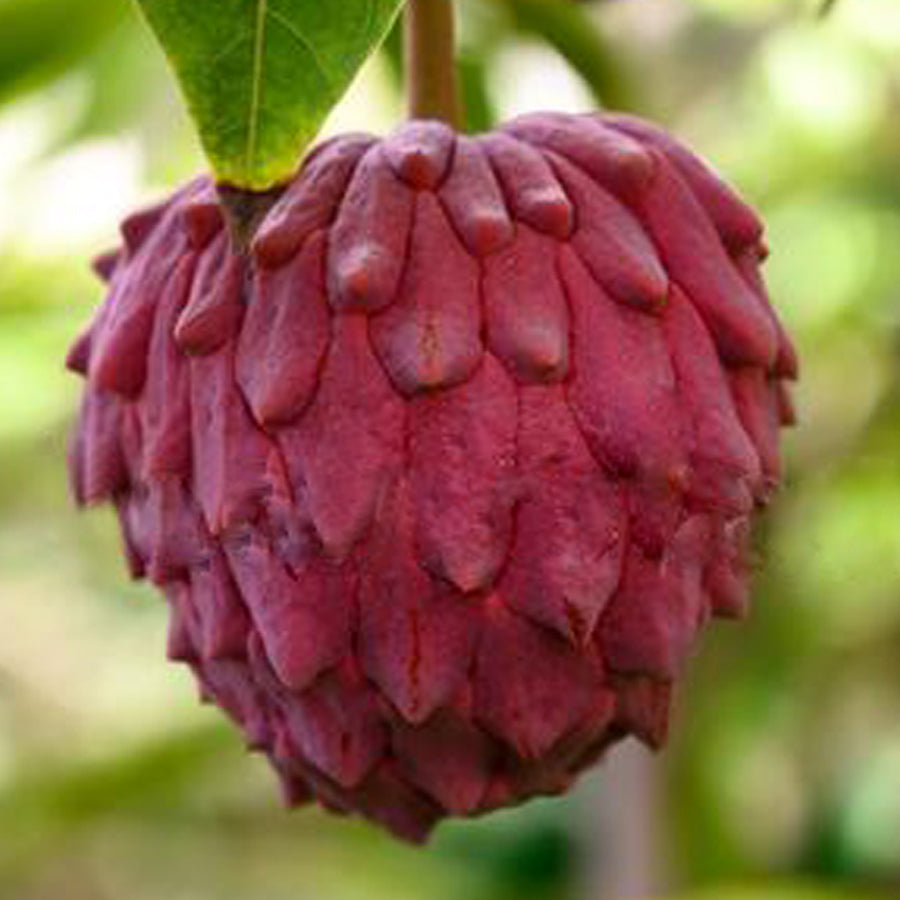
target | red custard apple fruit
[{"x": 442, "y": 477}]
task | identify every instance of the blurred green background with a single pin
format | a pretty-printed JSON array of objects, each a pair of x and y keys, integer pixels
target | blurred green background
[{"x": 783, "y": 780}]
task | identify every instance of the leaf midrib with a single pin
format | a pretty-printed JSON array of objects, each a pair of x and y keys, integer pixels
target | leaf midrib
[
  {"x": 264, "y": 13},
  {"x": 259, "y": 43}
]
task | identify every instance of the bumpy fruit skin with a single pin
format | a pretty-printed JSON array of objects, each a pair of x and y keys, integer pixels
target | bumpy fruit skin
[{"x": 441, "y": 481}]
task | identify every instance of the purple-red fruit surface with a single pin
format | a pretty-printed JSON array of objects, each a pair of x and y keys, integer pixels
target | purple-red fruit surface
[{"x": 442, "y": 479}]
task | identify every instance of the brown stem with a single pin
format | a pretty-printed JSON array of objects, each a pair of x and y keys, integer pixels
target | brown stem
[
  {"x": 244, "y": 210},
  {"x": 430, "y": 64}
]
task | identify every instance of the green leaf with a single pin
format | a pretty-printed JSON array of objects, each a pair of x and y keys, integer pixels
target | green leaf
[{"x": 261, "y": 75}]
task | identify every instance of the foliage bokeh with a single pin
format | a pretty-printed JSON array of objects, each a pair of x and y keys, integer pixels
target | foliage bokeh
[{"x": 783, "y": 781}]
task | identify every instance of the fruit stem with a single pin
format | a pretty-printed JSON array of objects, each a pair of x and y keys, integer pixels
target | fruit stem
[
  {"x": 244, "y": 210},
  {"x": 431, "y": 74}
]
